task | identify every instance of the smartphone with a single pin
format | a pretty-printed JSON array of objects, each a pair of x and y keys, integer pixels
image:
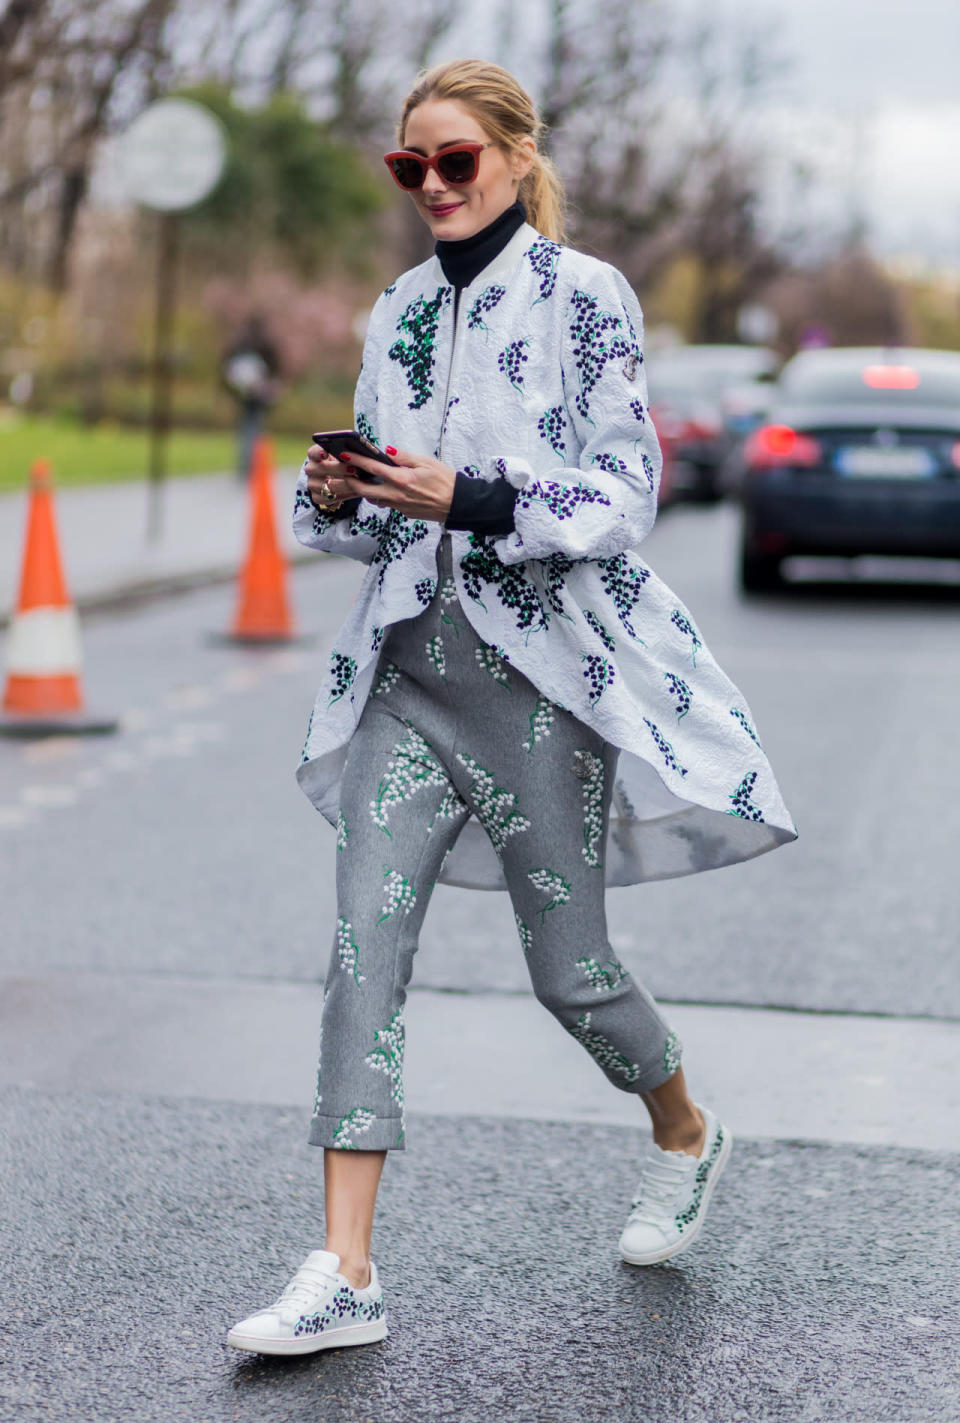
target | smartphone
[{"x": 338, "y": 442}]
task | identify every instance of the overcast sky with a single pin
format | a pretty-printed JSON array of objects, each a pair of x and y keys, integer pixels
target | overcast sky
[{"x": 884, "y": 75}]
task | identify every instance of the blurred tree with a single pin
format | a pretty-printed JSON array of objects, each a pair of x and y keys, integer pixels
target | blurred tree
[
  {"x": 933, "y": 310},
  {"x": 289, "y": 189},
  {"x": 735, "y": 260},
  {"x": 849, "y": 297},
  {"x": 61, "y": 64},
  {"x": 650, "y": 118},
  {"x": 348, "y": 59}
]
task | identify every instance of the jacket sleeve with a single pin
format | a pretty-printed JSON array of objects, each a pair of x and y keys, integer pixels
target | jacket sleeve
[
  {"x": 607, "y": 502},
  {"x": 355, "y": 531}
]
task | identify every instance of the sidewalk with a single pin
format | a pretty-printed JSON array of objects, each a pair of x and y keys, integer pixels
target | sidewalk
[{"x": 104, "y": 545}]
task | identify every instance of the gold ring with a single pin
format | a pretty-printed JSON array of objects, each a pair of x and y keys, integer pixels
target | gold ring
[{"x": 326, "y": 491}]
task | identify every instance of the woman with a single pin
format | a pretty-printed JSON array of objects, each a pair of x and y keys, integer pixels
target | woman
[{"x": 516, "y": 700}]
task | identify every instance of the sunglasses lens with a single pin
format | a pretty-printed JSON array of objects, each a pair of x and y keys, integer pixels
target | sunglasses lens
[
  {"x": 460, "y": 166},
  {"x": 408, "y": 172}
]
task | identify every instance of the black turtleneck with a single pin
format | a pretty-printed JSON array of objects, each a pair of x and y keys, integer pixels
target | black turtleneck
[
  {"x": 466, "y": 258},
  {"x": 480, "y": 506}
]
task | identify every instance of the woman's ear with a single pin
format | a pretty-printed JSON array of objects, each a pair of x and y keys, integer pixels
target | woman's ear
[{"x": 523, "y": 157}]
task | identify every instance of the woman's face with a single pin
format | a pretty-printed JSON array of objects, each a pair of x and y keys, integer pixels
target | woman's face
[{"x": 455, "y": 210}]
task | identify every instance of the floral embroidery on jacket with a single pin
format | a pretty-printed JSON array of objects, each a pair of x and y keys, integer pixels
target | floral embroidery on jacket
[
  {"x": 605, "y": 637},
  {"x": 551, "y": 426},
  {"x": 398, "y": 533},
  {"x": 623, "y": 582},
  {"x": 543, "y": 257},
  {"x": 684, "y": 625},
  {"x": 680, "y": 690},
  {"x": 613, "y": 464},
  {"x": 599, "y": 672},
  {"x": 416, "y": 355},
  {"x": 666, "y": 749},
  {"x": 743, "y": 806},
  {"x": 343, "y": 670},
  {"x": 741, "y": 717},
  {"x": 562, "y": 500},
  {"x": 489, "y": 298},
  {"x": 589, "y": 328},
  {"x": 481, "y": 568},
  {"x": 511, "y": 359}
]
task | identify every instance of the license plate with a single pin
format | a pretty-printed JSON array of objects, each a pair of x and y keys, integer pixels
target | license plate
[{"x": 897, "y": 463}]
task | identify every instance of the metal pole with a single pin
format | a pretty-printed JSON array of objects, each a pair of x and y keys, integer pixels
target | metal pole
[{"x": 168, "y": 242}]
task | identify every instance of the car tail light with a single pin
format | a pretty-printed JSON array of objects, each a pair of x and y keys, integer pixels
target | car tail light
[
  {"x": 773, "y": 445},
  {"x": 891, "y": 377}
]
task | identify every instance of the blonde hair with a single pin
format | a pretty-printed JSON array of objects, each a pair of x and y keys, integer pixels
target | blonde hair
[{"x": 506, "y": 112}]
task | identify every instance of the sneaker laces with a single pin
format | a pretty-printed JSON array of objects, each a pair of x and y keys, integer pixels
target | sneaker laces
[
  {"x": 661, "y": 1184},
  {"x": 301, "y": 1293}
]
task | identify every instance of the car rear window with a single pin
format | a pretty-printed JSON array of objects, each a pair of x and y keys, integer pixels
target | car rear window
[{"x": 874, "y": 382}]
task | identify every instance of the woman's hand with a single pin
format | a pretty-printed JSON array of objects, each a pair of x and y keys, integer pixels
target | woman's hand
[
  {"x": 325, "y": 479},
  {"x": 420, "y": 488}
]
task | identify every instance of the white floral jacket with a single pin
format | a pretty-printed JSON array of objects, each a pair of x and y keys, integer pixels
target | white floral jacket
[{"x": 543, "y": 382}]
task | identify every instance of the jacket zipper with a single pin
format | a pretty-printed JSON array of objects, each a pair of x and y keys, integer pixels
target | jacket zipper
[{"x": 446, "y": 393}]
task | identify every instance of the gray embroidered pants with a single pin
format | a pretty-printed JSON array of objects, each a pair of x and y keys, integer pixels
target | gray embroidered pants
[{"x": 449, "y": 729}]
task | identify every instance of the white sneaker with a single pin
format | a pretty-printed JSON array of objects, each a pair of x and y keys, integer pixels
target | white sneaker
[
  {"x": 672, "y": 1197},
  {"x": 319, "y": 1309}
]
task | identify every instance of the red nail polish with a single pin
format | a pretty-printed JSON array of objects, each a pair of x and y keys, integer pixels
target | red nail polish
[
  {"x": 344, "y": 457},
  {"x": 391, "y": 449}
]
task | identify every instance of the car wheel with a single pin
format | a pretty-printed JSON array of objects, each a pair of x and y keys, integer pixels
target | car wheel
[{"x": 759, "y": 572}]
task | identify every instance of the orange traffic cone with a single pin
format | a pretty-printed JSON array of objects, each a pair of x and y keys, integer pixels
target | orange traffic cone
[
  {"x": 263, "y": 608},
  {"x": 43, "y": 693}
]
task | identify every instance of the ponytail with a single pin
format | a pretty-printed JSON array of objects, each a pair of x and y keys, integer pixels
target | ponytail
[{"x": 542, "y": 194}]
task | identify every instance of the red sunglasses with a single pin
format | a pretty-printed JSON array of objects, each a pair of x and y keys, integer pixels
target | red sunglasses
[{"x": 454, "y": 165}]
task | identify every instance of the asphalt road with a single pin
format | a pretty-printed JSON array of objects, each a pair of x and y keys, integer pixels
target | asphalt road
[{"x": 147, "y": 1204}]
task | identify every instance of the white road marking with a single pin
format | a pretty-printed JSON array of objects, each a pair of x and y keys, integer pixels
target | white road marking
[
  {"x": 52, "y": 748},
  {"x": 158, "y": 746},
  {"x": 288, "y": 660},
  {"x": 121, "y": 760},
  {"x": 179, "y": 739},
  {"x": 49, "y": 795},
  {"x": 188, "y": 698},
  {"x": 13, "y": 816},
  {"x": 136, "y": 719},
  {"x": 201, "y": 730},
  {"x": 242, "y": 679}
]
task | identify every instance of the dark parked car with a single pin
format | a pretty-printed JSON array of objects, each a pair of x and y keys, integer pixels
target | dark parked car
[
  {"x": 860, "y": 455},
  {"x": 696, "y": 393}
]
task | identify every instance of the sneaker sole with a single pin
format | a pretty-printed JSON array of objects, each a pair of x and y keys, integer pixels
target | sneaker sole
[
  {"x": 311, "y": 1344},
  {"x": 657, "y": 1256}
]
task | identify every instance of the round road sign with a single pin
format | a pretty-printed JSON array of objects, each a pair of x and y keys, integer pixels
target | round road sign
[{"x": 172, "y": 155}]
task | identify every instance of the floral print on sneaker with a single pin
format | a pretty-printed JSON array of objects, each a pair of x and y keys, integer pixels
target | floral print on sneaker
[{"x": 343, "y": 1308}]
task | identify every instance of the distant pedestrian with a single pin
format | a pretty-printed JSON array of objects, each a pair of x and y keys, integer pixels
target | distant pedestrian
[
  {"x": 251, "y": 371},
  {"x": 516, "y": 700}
]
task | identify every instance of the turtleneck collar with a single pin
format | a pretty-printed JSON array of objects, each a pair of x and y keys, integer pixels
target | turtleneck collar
[{"x": 465, "y": 259}]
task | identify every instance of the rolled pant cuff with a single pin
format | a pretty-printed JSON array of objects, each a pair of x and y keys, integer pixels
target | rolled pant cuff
[{"x": 359, "y": 1130}]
